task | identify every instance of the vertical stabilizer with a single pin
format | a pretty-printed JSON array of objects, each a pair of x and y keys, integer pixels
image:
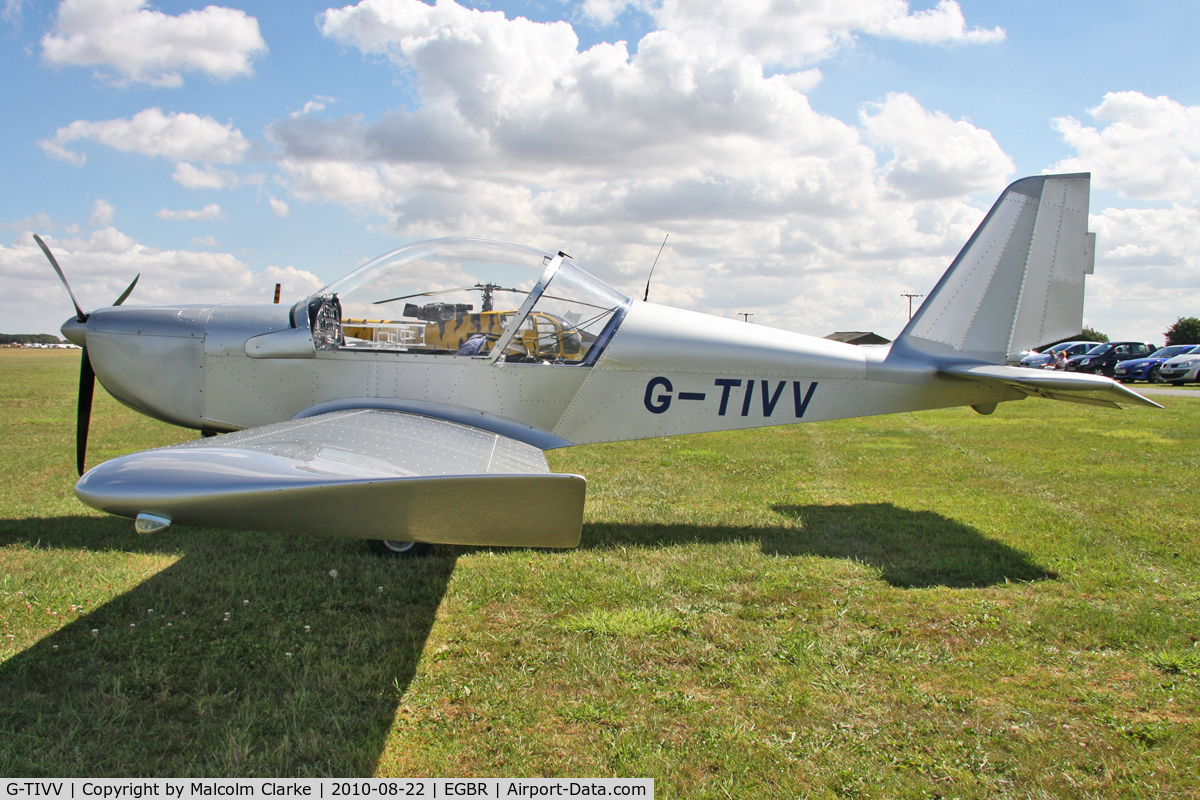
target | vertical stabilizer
[{"x": 1018, "y": 282}]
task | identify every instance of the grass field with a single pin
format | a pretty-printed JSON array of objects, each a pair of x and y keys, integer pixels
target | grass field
[{"x": 933, "y": 604}]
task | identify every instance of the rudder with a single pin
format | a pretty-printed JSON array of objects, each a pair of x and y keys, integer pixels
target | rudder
[{"x": 1019, "y": 280}]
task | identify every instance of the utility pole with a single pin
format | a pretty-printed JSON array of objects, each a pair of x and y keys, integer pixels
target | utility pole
[
  {"x": 746, "y": 315},
  {"x": 910, "y": 299}
]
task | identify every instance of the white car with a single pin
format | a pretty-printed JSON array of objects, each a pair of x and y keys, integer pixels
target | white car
[
  {"x": 1015, "y": 359},
  {"x": 1045, "y": 359},
  {"x": 1181, "y": 369}
]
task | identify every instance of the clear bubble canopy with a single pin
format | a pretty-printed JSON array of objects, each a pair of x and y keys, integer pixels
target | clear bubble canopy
[{"x": 470, "y": 298}]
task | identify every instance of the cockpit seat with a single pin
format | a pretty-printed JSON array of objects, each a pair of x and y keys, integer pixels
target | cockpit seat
[{"x": 473, "y": 346}]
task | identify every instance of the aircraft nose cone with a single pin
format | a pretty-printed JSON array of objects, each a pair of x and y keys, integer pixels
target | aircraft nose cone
[
  {"x": 151, "y": 358},
  {"x": 75, "y": 331}
]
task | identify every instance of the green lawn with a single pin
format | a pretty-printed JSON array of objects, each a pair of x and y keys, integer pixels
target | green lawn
[{"x": 933, "y": 604}]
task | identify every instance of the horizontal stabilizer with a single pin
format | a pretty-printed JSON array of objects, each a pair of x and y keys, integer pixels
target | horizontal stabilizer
[
  {"x": 1073, "y": 387},
  {"x": 364, "y": 474}
]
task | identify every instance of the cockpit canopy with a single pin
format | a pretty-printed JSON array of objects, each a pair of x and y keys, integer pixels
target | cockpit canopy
[{"x": 469, "y": 297}]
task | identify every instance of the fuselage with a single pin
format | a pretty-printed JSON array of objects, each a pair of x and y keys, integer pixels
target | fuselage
[{"x": 663, "y": 371}]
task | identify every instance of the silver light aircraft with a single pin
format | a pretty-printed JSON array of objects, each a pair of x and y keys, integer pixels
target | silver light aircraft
[{"x": 411, "y": 401}]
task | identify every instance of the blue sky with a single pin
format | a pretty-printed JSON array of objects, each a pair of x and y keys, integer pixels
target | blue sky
[{"x": 811, "y": 200}]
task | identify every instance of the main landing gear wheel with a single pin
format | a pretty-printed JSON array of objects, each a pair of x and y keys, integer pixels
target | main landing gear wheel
[{"x": 387, "y": 547}]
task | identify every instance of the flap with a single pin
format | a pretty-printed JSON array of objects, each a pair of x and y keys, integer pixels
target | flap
[
  {"x": 363, "y": 473},
  {"x": 1073, "y": 387}
]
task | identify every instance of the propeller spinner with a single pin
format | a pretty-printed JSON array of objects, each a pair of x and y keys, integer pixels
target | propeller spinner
[{"x": 87, "y": 376}]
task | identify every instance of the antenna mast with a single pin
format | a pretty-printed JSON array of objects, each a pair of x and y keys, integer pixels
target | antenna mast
[{"x": 646, "y": 298}]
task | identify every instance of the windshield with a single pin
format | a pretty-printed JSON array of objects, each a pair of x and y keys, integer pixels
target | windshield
[
  {"x": 1099, "y": 350},
  {"x": 1173, "y": 350},
  {"x": 459, "y": 297}
]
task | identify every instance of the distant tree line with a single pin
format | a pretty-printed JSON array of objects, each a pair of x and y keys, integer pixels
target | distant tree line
[
  {"x": 1186, "y": 330},
  {"x": 29, "y": 338},
  {"x": 1086, "y": 335},
  {"x": 1092, "y": 335}
]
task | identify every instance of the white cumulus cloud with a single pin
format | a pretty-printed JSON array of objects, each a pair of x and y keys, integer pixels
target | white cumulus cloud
[
  {"x": 102, "y": 264},
  {"x": 12, "y": 11},
  {"x": 798, "y": 33},
  {"x": 935, "y": 156},
  {"x": 511, "y": 99},
  {"x": 210, "y": 211},
  {"x": 312, "y": 106},
  {"x": 175, "y": 136},
  {"x": 127, "y": 41},
  {"x": 1148, "y": 259},
  {"x": 206, "y": 177},
  {"x": 1147, "y": 269},
  {"x": 772, "y": 206},
  {"x": 278, "y": 207},
  {"x": 102, "y": 214},
  {"x": 1147, "y": 148}
]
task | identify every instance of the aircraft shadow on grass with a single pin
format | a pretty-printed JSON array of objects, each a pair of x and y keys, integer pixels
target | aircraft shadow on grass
[
  {"x": 911, "y": 549},
  {"x": 205, "y": 696},
  {"x": 208, "y": 697}
]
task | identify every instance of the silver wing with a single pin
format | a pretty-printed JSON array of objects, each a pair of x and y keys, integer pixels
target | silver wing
[{"x": 364, "y": 474}]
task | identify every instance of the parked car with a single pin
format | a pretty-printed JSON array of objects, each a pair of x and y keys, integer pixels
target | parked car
[
  {"x": 1182, "y": 368},
  {"x": 1045, "y": 358},
  {"x": 1147, "y": 369},
  {"x": 1102, "y": 359},
  {"x": 1015, "y": 359}
]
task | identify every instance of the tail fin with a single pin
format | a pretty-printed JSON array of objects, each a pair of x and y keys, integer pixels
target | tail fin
[{"x": 1018, "y": 281}]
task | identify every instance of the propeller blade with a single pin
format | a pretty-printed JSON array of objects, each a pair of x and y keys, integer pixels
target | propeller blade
[
  {"x": 82, "y": 317},
  {"x": 476, "y": 288},
  {"x": 87, "y": 375},
  {"x": 128, "y": 291},
  {"x": 83, "y": 418},
  {"x": 423, "y": 294}
]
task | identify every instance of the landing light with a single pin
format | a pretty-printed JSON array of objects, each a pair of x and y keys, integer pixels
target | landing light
[{"x": 147, "y": 524}]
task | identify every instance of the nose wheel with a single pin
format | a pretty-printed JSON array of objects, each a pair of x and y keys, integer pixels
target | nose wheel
[{"x": 388, "y": 547}]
